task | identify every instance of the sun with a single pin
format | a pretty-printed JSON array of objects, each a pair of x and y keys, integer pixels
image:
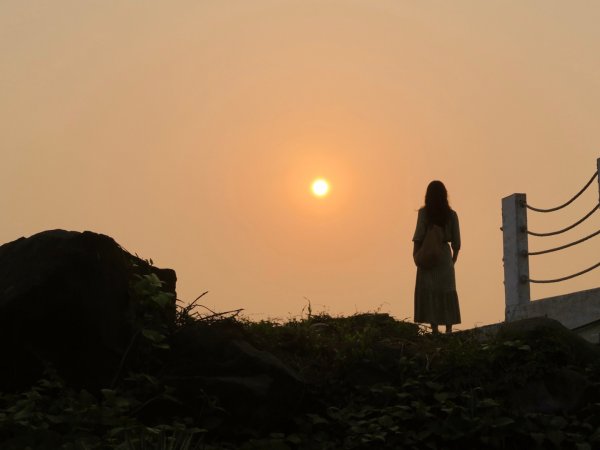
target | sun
[{"x": 320, "y": 187}]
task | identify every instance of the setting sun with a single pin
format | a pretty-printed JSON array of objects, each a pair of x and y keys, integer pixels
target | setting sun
[{"x": 320, "y": 187}]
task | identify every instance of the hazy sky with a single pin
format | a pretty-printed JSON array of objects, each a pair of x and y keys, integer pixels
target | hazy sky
[{"x": 190, "y": 131}]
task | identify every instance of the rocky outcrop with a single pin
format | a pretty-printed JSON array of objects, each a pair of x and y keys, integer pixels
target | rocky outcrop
[
  {"x": 559, "y": 389},
  {"x": 65, "y": 299},
  {"x": 550, "y": 332}
]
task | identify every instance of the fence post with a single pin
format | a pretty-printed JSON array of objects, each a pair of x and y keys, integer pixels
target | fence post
[{"x": 516, "y": 261}]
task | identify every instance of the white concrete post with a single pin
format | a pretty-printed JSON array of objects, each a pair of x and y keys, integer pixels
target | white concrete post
[{"x": 516, "y": 261}]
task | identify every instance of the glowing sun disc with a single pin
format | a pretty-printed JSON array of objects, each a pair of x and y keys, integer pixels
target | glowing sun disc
[{"x": 320, "y": 187}]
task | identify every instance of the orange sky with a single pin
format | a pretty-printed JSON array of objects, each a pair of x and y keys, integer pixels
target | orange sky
[{"x": 191, "y": 131}]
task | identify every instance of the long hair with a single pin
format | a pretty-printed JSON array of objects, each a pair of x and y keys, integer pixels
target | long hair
[{"x": 437, "y": 208}]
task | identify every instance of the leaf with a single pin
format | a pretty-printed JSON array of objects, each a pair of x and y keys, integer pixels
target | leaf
[
  {"x": 403, "y": 395},
  {"x": 22, "y": 414},
  {"x": 137, "y": 377},
  {"x": 334, "y": 413},
  {"x": 86, "y": 399},
  {"x": 153, "y": 430},
  {"x": 386, "y": 421},
  {"x": 108, "y": 394},
  {"x": 424, "y": 434},
  {"x": 294, "y": 439},
  {"x": 55, "y": 419},
  {"x": 122, "y": 403},
  {"x": 558, "y": 422},
  {"x": 538, "y": 438},
  {"x": 402, "y": 408},
  {"x": 388, "y": 390},
  {"x": 434, "y": 386},
  {"x": 153, "y": 279},
  {"x": 317, "y": 419},
  {"x": 162, "y": 299},
  {"x": 488, "y": 403},
  {"x": 161, "y": 345},
  {"x": 556, "y": 437},
  {"x": 441, "y": 396},
  {"x": 153, "y": 335},
  {"x": 117, "y": 430},
  {"x": 502, "y": 422}
]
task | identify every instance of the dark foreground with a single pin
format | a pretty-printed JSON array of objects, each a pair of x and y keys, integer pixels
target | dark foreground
[
  {"x": 185, "y": 377},
  {"x": 360, "y": 382}
]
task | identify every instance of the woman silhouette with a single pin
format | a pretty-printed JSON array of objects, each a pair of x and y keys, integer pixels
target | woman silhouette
[{"x": 436, "y": 300}]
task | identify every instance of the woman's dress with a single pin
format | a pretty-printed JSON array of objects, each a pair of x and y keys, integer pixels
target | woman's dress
[{"x": 436, "y": 300}]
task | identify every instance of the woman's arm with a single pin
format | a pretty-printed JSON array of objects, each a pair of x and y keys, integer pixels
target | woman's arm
[
  {"x": 455, "y": 243},
  {"x": 454, "y": 254}
]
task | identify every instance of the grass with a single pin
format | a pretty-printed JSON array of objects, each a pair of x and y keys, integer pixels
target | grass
[{"x": 370, "y": 382}]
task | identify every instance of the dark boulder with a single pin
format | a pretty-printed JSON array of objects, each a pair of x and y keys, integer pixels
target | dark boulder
[
  {"x": 558, "y": 391},
  {"x": 65, "y": 300},
  {"x": 553, "y": 336},
  {"x": 558, "y": 388},
  {"x": 69, "y": 301}
]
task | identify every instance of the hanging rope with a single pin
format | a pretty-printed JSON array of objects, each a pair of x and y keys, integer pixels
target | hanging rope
[
  {"x": 553, "y": 233},
  {"x": 550, "y": 250},
  {"x": 567, "y": 203},
  {"x": 556, "y": 280}
]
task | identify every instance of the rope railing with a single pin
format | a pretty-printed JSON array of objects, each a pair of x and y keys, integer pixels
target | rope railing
[
  {"x": 556, "y": 280},
  {"x": 570, "y": 227},
  {"x": 568, "y": 202},
  {"x": 516, "y": 252},
  {"x": 554, "y": 233},
  {"x": 562, "y": 247}
]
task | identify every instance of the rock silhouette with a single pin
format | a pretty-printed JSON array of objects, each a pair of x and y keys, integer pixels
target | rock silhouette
[
  {"x": 65, "y": 299},
  {"x": 67, "y": 302}
]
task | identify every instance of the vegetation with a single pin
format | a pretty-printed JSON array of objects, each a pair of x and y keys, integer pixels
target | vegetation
[{"x": 369, "y": 382}]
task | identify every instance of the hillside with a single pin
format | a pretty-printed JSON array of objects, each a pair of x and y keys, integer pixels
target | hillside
[
  {"x": 365, "y": 381},
  {"x": 183, "y": 377}
]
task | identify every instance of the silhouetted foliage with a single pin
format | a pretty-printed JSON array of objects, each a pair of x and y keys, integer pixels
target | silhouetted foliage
[{"x": 206, "y": 380}]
